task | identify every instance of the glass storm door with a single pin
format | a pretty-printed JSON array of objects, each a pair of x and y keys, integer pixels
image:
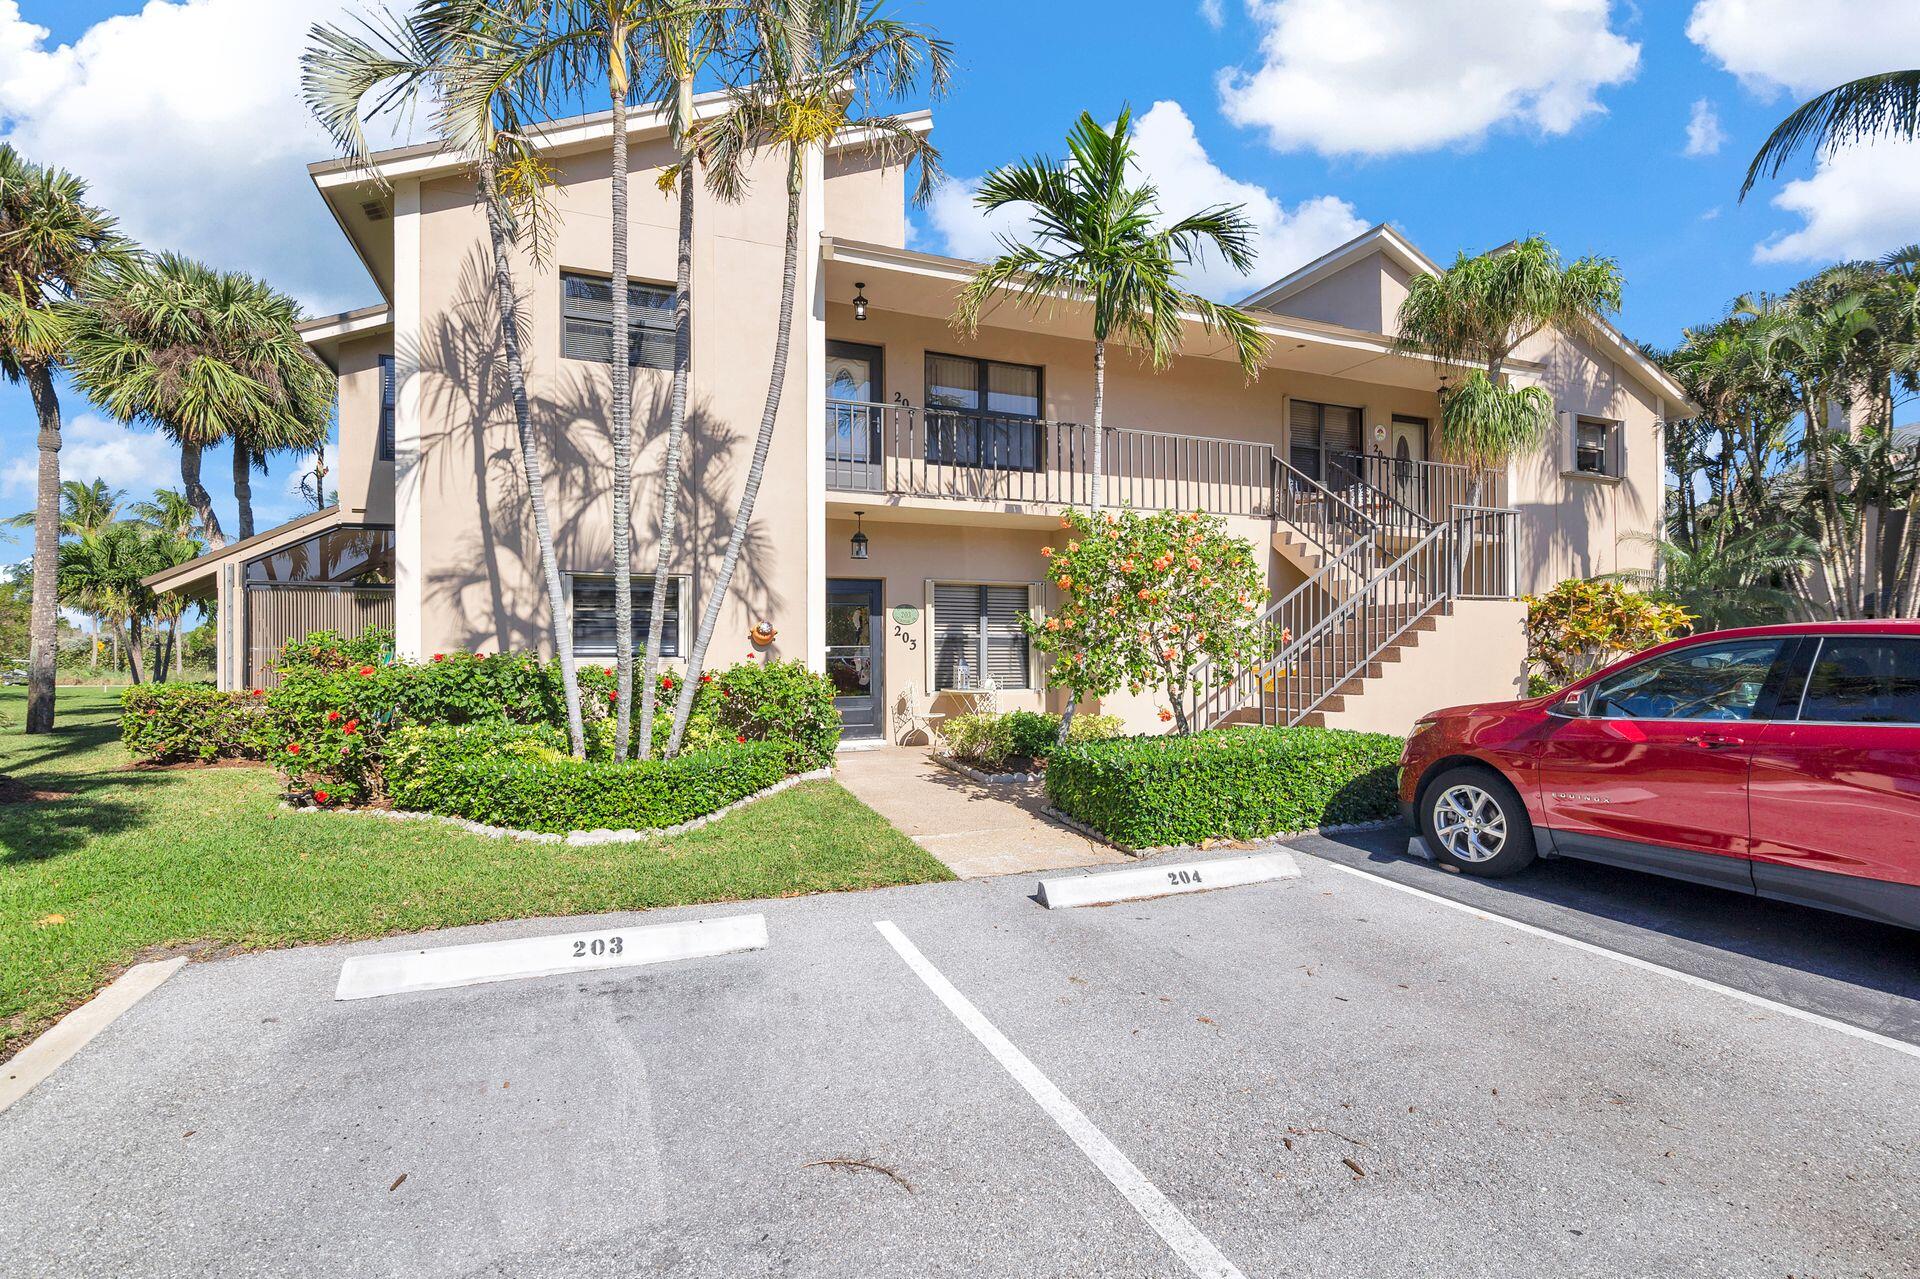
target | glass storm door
[
  {"x": 855, "y": 656},
  {"x": 854, "y": 417}
]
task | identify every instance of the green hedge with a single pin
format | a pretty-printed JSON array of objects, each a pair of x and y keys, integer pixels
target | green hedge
[
  {"x": 1016, "y": 739},
  {"x": 168, "y": 723},
  {"x": 522, "y": 777},
  {"x": 1235, "y": 783}
]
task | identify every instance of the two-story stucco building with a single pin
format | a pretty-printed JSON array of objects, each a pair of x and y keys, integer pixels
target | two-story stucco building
[{"x": 915, "y": 472}]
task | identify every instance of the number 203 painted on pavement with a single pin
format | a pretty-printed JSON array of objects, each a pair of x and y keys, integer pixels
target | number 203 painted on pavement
[{"x": 598, "y": 946}]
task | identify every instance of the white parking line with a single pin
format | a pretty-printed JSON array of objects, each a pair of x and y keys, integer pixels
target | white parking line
[
  {"x": 1192, "y": 1247},
  {"x": 1634, "y": 961}
]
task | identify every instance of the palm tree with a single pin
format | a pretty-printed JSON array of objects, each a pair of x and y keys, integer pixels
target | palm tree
[
  {"x": 84, "y": 508},
  {"x": 51, "y": 238},
  {"x": 168, "y": 511},
  {"x": 1478, "y": 311},
  {"x": 1875, "y": 106},
  {"x": 204, "y": 355},
  {"x": 682, "y": 42},
  {"x": 816, "y": 67},
  {"x": 1097, "y": 238},
  {"x": 102, "y": 574},
  {"x": 465, "y": 57}
]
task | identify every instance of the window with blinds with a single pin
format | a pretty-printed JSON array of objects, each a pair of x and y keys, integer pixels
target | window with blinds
[
  {"x": 979, "y": 634},
  {"x": 586, "y": 321},
  {"x": 1316, "y": 431},
  {"x": 385, "y": 453},
  {"x": 593, "y": 629},
  {"x": 983, "y": 413}
]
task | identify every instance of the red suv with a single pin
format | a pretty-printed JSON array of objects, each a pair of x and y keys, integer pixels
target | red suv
[{"x": 1777, "y": 760}]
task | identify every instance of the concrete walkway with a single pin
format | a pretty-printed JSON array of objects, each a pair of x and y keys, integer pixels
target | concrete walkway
[{"x": 976, "y": 829}]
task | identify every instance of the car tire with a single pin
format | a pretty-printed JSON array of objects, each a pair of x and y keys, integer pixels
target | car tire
[{"x": 1473, "y": 821}]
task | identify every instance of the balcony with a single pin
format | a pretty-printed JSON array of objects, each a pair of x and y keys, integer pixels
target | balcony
[{"x": 903, "y": 451}]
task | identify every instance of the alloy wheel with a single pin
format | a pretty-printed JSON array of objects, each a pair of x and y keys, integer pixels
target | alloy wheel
[{"x": 1470, "y": 823}]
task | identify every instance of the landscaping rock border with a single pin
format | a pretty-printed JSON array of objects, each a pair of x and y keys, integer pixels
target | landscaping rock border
[
  {"x": 1264, "y": 841},
  {"x": 991, "y": 779},
  {"x": 575, "y": 838}
]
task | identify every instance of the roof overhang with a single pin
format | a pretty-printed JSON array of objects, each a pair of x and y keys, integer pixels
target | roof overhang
[
  {"x": 326, "y": 333},
  {"x": 359, "y": 193},
  {"x": 197, "y": 576},
  {"x": 1385, "y": 240},
  {"x": 916, "y": 283}
]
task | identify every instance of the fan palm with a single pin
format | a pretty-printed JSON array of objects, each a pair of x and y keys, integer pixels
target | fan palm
[
  {"x": 204, "y": 355},
  {"x": 1098, "y": 239},
  {"x": 816, "y": 67},
  {"x": 1875, "y": 106},
  {"x": 467, "y": 58},
  {"x": 1477, "y": 312},
  {"x": 51, "y": 238}
]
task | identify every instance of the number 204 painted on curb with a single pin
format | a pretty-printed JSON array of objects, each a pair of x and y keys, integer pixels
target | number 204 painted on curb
[{"x": 1183, "y": 877}]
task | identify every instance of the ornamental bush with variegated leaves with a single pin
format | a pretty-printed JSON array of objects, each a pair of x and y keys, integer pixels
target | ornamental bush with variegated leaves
[{"x": 1151, "y": 602}]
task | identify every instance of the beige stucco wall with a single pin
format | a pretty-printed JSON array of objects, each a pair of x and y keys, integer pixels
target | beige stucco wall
[
  {"x": 1477, "y": 653},
  {"x": 363, "y": 481},
  {"x": 866, "y": 200},
  {"x": 481, "y": 583}
]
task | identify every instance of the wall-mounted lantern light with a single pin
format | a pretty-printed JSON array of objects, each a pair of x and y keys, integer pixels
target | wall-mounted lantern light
[
  {"x": 859, "y": 537},
  {"x": 859, "y": 301}
]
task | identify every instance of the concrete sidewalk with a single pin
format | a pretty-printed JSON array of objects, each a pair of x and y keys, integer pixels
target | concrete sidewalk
[{"x": 976, "y": 829}]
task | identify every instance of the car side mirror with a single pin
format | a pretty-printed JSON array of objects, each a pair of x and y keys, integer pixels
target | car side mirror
[{"x": 1572, "y": 706}]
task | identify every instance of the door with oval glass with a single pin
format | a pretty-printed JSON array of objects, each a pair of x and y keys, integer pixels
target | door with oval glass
[
  {"x": 856, "y": 655},
  {"x": 1407, "y": 445}
]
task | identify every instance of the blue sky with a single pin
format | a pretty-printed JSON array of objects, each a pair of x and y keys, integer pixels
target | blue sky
[{"x": 1463, "y": 122}]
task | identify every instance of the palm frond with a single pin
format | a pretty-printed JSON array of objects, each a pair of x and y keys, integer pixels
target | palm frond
[{"x": 1885, "y": 105}]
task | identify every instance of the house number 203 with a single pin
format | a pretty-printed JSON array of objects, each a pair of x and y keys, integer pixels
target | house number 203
[{"x": 598, "y": 946}]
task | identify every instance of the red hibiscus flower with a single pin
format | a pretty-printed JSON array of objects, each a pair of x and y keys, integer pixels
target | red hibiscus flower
[
  {"x": 439, "y": 657},
  {"x": 351, "y": 727},
  {"x": 741, "y": 737},
  {"x": 293, "y": 748},
  {"x": 366, "y": 672},
  {"x": 333, "y": 717},
  {"x": 319, "y": 797}
]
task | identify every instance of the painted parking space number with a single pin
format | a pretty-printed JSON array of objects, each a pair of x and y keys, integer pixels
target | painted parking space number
[
  {"x": 1183, "y": 877},
  {"x": 583, "y": 948}
]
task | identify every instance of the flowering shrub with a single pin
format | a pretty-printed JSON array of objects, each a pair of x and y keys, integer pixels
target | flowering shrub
[
  {"x": 774, "y": 701},
  {"x": 163, "y": 723},
  {"x": 1166, "y": 601},
  {"x": 1579, "y": 626}
]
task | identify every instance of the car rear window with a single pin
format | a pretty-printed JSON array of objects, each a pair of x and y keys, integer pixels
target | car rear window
[{"x": 1864, "y": 680}]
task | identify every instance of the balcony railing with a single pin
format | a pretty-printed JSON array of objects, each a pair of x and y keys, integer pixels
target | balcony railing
[
  {"x": 1405, "y": 495},
  {"x": 993, "y": 457}
]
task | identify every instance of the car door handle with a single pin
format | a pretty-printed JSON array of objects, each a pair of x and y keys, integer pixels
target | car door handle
[{"x": 1713, "y": 741}]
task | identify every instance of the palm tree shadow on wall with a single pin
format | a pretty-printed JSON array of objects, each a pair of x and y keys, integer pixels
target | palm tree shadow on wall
[{"x": 485, "y": 543}]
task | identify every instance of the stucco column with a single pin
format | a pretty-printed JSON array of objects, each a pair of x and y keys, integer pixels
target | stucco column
[
  {"x": 408, "y": 476},
  {"x": 813, "y": 223}
]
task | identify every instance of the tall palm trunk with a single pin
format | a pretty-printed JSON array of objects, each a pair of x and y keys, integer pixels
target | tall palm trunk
[
  {"x": 43, "y": 621},
  {"x": 530, "y": 455},
  {"x": 243, "y": 489},
  {"x": 776, "y": 383},
  {"x": 198, "y": 497},
  {"x": 676, "y": 428},
  {"x": 135, "y": 642},
  {"x": 622, "y": 411},
  {"x": 1099, "y": 419}
]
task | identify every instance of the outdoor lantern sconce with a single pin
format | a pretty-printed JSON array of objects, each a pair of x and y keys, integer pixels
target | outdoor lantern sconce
[
  {"x": 859, "y": 313},
  {"x": 859, "y": 537}
]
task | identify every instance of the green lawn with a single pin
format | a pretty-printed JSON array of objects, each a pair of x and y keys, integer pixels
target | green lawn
[{"x": 138, "y": 861}]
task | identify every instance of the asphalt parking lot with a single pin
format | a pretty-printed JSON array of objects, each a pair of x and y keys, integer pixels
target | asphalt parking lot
[{"x": 1325, "y": 1075}]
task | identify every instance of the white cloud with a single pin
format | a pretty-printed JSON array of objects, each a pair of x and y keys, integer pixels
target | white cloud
[
  {"x": 1382, "y": 77},
  {"x": 1704, "y": 134},
  {"x": 1212, "y": 14},
  {"x": 185, "y": 119},
  {"x": 1172, "y": 157},
  {"x": 97, "y": 447},
  {"x": 1861, "y": 202},
  {"x": 1804, "y": 49},
  {"x": 299, "y": 466}
]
